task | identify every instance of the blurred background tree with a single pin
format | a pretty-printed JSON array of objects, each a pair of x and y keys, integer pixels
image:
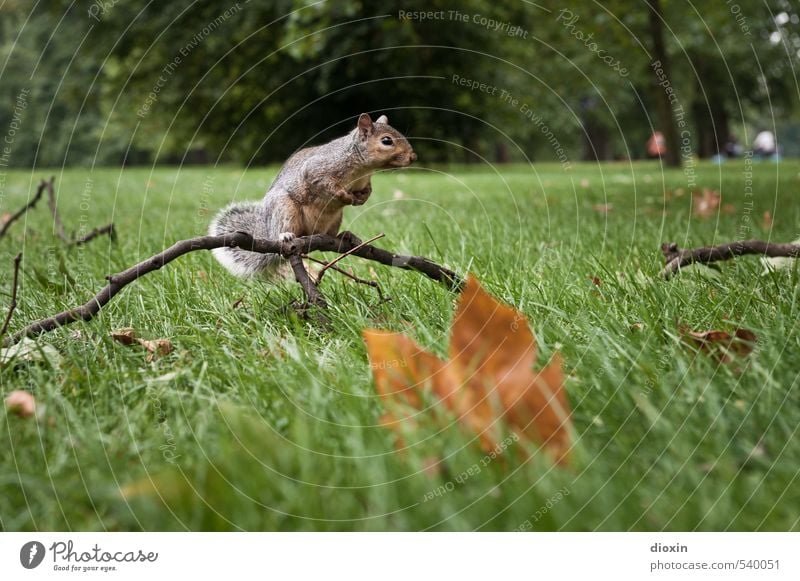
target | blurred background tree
[{"x": 201, "y": 82}]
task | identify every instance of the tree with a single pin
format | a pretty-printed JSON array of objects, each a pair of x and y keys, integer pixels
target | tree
[
  {"x": 252, "y": 82},
  {"x": 666, "y": 120}
]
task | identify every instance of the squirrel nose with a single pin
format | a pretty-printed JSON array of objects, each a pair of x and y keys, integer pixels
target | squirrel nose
[{"x": 413, "y": 156}]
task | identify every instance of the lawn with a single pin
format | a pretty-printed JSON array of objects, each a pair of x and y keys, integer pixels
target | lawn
[{"x": 259, "y": 420}]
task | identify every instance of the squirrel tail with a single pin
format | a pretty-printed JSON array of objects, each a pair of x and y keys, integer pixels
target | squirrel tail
[{"x": 243, "y": 217}]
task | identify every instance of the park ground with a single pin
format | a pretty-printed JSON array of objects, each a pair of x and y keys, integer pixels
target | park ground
[{"x": 259, "y": 420}]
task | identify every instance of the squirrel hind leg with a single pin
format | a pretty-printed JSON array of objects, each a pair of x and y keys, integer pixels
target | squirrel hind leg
[
  {"x": 238, "y": 263},
  {"x": 249, "y": 218}
]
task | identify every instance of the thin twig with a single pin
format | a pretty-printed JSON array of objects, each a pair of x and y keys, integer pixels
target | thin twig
[
  {"x": 323, "y": 243},
  {"x": 57, "y": 223},
  {"x": 13, "y": 304},
  {"x": 352, "y": 276},
  {"x": 14, "y": 217},
  {"x": 348, "y": 253},
  {"x": 297, "y": 247},
  {"x": 107, "y": 229},
  {"x": 676, "y": 258}
]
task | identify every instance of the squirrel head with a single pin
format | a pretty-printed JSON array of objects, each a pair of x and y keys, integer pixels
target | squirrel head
[{"x": 381, "y": 144}]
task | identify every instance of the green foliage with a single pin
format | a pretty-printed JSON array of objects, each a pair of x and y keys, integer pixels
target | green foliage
[{"x": 250, "y": 82}]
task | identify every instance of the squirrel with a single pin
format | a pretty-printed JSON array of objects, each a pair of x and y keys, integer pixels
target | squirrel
[{"x": 310, "y": 192}]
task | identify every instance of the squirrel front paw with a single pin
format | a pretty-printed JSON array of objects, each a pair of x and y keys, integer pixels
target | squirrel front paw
[
  {"x": 361, "y": 196},
  {"x": 348, "y": 237},
  {"x": 286, "y": 237},
  {"x": 344, "y": 196}
]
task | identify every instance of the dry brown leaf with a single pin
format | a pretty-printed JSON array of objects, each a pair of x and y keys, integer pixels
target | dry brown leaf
[
  {"x": 489, "y": 377},
  {"x": 721, "y": 344},
  {"x": 766, "y": 220},
  {"x": 5, "y": 217},
  {"x": 126, "y": 336},
  {"x": 705, "y": 203},
  {"x": 21, "y": 403},
  {"x": 603, "y": 208},
  {"x": 154, "y": 347}
]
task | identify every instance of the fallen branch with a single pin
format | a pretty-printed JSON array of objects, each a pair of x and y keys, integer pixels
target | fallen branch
[
  {"x": 58, "y": 225},
  {"x": 292, "y": 250},
  {"x": 13, "y": 305},
  {"x": 19, "y": 213},
  {"x": 676, "y": 258}
]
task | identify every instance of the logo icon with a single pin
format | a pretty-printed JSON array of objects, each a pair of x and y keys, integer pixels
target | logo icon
[{"x": 31, "y": 554}]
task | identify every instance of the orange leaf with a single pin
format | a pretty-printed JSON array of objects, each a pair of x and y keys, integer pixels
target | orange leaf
[
  {"x": 401, "y": 368},
  {"x": 541, "y": 410},
  {"x": 490, "y": 345},
  {"x": 489, "y": 379}
]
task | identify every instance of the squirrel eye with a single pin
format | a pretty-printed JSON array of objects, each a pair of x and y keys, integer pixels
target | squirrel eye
[{"x": 386, "y": 140}]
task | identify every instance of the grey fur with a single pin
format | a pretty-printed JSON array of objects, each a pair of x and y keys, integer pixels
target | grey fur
[{"x": 247, "y": 217}]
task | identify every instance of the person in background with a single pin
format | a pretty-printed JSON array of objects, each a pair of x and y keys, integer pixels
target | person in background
[
  {"x": 733, "y": 148},
  {"x": 765, "y": 146},
  {"x": 656, "y": 145}
]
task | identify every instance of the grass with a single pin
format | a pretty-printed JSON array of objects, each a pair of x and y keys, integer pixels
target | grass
[{"x": 261, "y": 421}]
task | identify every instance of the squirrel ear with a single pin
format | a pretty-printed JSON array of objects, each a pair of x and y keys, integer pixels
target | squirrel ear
[
  {"x": 364, "y": 124},
  {"x": 382, "y": 119}
]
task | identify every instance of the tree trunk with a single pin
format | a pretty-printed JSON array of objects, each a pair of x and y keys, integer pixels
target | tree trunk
[
  {"x": 709, "y": 109},
  {"x": 501, "y": 154},
  {"x": 666, "y": 120},
  {"x": 595, "y": 136},
  {"x": 596, "y": 142}
]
